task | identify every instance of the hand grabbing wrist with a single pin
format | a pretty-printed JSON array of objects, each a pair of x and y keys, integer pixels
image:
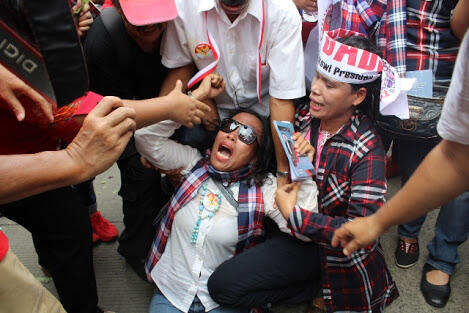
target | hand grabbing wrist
[{"x": 197, "y": 94}]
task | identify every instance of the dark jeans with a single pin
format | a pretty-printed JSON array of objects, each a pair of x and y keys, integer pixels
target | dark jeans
[
  {"x": 87, "y": 194},
  {"x": 142, "y": 199},
  {"x": 410, "y": 155},
  {"x": 280, "y": 270},
  {"x": 61, "y": 232},
  {"x": 451, "y": 228}
]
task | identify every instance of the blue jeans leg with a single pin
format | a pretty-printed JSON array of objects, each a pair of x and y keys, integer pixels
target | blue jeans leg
[
  {"x": 410, "y": 155},
  {"x": 159, "y": 304},
  {"x": 451, "y": 230}
]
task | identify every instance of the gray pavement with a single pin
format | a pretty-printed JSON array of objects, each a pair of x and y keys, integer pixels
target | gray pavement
[{"x": 120, "y": 290}]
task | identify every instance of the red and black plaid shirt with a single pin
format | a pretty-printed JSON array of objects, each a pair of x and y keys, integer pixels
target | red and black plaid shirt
[
  {"x": 416, "y": 35},
  {"x": 430, "y": 42},
  {"x": 351, "y": 182}
]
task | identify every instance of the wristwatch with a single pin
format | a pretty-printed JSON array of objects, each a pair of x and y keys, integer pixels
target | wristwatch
[{"x": 283, "y": 174}]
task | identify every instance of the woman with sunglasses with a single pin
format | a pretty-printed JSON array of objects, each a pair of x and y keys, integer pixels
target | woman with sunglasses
[
  {"x": 350, "y": 175},
  {"x": 216, "y": 212}
]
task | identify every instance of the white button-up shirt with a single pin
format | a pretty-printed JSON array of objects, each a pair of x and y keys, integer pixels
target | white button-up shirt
[
  {"x": 184, "y": 268},
  {"x": 185, "y": 42}
]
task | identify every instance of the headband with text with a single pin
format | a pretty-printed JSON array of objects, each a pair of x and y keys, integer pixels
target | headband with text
[{"x": 344, "y": 63}]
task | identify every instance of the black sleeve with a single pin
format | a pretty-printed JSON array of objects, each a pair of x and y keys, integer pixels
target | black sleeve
[{"x": 106, "y": 75}]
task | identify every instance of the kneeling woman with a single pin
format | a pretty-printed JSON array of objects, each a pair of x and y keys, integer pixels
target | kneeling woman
[
  {"x": 350, "y": 163},
  {"x": 216, "y": 212}
]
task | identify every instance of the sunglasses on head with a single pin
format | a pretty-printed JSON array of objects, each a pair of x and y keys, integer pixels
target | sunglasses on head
[{"x": 246, "y": 133}]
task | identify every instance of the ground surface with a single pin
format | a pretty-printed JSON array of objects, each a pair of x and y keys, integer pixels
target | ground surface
[{"x": 122, "y": 291}]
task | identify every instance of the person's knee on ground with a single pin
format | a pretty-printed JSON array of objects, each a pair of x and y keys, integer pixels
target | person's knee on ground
[{"x": 220, "y": 288}]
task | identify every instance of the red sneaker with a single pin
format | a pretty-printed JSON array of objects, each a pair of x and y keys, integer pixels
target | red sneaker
[
  {"x": 105, "y": 230},
  {"x": 94, "y": 238}
]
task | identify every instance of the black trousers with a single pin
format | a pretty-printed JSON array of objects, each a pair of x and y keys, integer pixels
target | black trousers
[
  {"x": 280, "y": 270},
  {"x": 142, "y": 199},
  {"x": 61, "y": 232}
]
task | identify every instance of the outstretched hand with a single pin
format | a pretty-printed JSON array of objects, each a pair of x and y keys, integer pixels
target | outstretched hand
[
  {"x": 285, "y": 198},
  {"x": 22, "y": 100},
  {"x": 356, "y": 234},
  {"x": 103, "y": 136},
  {"x": 188, "y": 110}
]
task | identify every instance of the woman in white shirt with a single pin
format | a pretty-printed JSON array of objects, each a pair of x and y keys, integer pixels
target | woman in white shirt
[{"x": 216, "y": 212}]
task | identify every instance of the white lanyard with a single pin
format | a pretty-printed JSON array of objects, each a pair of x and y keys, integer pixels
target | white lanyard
[{"x": 216, "y": 54}]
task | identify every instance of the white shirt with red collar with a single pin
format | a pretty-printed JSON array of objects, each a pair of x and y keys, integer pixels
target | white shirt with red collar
[{"x": 282, "y": 64}]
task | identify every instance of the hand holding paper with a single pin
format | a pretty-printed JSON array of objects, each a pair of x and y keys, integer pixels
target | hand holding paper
[{"x": 300, "y": 165}]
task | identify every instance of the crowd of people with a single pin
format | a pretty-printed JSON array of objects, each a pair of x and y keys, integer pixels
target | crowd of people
[{"x": 183, "y": 95}]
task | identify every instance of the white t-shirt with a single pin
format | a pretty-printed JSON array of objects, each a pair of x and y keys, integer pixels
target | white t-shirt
[
  {"x": 454, "y": 121},
  {"x": 185, "y": 42}
]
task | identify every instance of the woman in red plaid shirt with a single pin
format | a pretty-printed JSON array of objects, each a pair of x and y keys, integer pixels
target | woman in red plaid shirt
[{"x": 350, "y": 163}]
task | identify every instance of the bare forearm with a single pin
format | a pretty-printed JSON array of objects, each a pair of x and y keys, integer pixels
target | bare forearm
[
  {"x": 30, "y": 174},
  {"x": 281, "y": 110},
  {"x": 459, "y": 20},
  {"x": 441, "y": 177},
  {"x": 157, "y": 109},
  {"x": 102, "y": 138},
  {"x": 150, "y": 111}
]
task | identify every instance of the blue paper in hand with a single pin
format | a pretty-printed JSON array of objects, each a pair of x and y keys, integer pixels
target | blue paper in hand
[{"x": 300, "y": 165}]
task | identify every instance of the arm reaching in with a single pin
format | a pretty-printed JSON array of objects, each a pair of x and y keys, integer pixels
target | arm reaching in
[
  {"x": 175, "y": 106},
  {"x": 102, "y": 138},
  {"x": 441, "y": 177}
]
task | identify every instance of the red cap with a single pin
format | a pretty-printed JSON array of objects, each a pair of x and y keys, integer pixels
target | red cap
[{"x": 146, "y": 12}]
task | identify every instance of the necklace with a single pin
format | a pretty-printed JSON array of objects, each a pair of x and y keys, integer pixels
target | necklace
[
  {"x": 326, "y": 135},
  {"x": 211, "y": 204}
]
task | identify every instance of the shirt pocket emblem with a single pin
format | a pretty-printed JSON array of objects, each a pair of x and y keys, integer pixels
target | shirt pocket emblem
[{"x": 203, "y": 51}]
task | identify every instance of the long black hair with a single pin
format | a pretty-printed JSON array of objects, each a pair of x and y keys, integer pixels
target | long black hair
[
  {"x": 370, "y": 105},
  {"x": 265, "y": 152}
]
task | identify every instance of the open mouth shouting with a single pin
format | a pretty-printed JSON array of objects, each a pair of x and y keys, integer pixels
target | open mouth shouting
[
  {"x": 315, "y": 106},
  {"x": 224, "y": 152}
]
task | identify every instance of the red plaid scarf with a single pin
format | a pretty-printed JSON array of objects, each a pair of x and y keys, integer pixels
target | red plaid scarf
[{"x": 250, "y": 208}]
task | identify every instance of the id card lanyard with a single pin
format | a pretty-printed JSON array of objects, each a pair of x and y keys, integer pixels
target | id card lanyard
[{"x": 200, "y": 75}]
